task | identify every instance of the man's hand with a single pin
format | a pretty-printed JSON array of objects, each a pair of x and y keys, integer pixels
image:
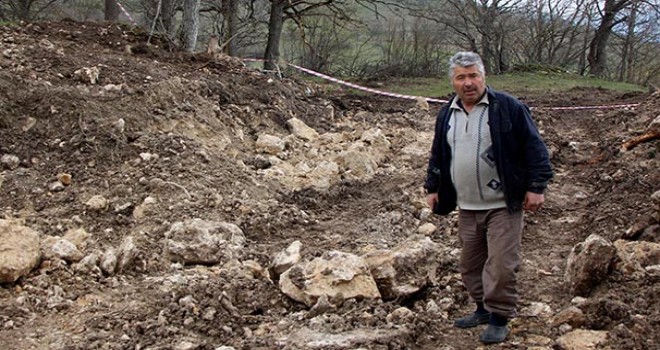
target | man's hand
[
  {"x": 431, "y": 199},
  {"x": 533, "y": 201}
]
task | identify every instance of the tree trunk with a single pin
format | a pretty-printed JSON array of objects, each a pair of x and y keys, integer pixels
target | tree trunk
[
  {"x": 167, "y": 17},
  {"x": 231, "y": 18},
  {"x": 190, "y": 24},
  {"x": 597, "y": 56},
  {"x": 24, "y": 10},
  {"x": 275, "y": 25},
  {"x": 111, "y": 11},
  {"x": 627, "y": 56}
]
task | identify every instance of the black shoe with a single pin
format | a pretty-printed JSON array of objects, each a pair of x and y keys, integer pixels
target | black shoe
[
  {"x": 494, "y": 334},
  {"x": 472, "y": 320}
]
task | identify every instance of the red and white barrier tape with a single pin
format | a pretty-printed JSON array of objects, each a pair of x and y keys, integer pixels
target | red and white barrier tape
[
  {"x": 126, "y": 13},
  {"x": 428, "y": 99},
  {"x": 630, "y": 105},
  {"x": 358, "y": 87}
]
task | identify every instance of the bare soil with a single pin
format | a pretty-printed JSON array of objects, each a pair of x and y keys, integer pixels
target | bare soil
[{"x": 202, "y": 115}]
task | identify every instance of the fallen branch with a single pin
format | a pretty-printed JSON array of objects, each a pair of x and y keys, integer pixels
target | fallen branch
[{"x": 648, "y": 137}]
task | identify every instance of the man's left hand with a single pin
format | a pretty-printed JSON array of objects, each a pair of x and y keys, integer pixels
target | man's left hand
[{"x": 533, "y": 201}]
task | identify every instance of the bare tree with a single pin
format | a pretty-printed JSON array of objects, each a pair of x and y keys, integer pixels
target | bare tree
[
  {"x": 111, "y": 11},
  {"x": 230, "y": 10},
  {"x": 627, "y": 54},
  {"x": 282, "y": 10},
  {"x": 275, "y": 25},
  {"x": 26, "y": 10},
  {"x": 482, "y": 26},
  {"x": 190, "y": 24},
  {"x": 597, "y": 56},
  {"x": 552, "y": 31}
]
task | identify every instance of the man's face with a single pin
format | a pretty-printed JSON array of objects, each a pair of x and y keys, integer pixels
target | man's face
[{"x": 468, "y": 84}]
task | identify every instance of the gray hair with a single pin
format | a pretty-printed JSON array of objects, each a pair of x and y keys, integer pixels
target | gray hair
[{"x": 465, "y": 59}]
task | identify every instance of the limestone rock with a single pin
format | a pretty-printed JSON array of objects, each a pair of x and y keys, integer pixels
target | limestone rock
[
  {"x": 422, "y": 104},
  {"x": 142, "y": 210},
  {"x": 10, "y": 161},
  {"x": 77, "y": 236},
  {"x": 128, "y": 252},
  {"x": 269, "y": 144},
  {"x": 337, "y": 275},
  {"x": 407, "y": 268},
  {"x": 203, "y": 242},
  {"x": 572, "y": 316},
  {"x": 97, "y": 203},
  {"x": 357, "y": 164},
  {"x": 376, "y": 139},
  {"x": 19, "y": 251},
  {"x": 88, "y": 75},
  {"x": 306, "y": 338},
  {"x": 302, "y": 130},
  {"x": 323, "y": 175},
  {"x": 427, "y": 229},
  {"x": 537, "y": 309},
  {"x": 582, "y": 340},
  {"x": 285, "y": 259},
  {"x": 588, "y": 264},
  {"x": 401, "y": 315},
  {"x": 634, "y": 257},
  {"x": 54, "y": 247},
  {"x": 108, "y": 262}
]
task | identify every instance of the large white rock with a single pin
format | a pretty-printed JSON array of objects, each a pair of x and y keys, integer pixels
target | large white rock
[
  {"x": 337, "y": 275},
  {"x": 302, "y": 130},
  {"x": 588, "y": 264},
  {"x": 376, "y": 140},
  {"x": 19, "y": 250},
  {"x": 285, "y": 259},
  {"x": 356, "y": 164},
  {"x": 323, "y": 175},
  {"x": 203, "y": 242},
  {"x": 269, "y": 144},
  {"x": 582, "y": 340},
  {"x": 407, "y": 268}
]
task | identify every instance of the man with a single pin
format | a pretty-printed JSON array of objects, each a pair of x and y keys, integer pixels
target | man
[{"x": 489, "y": 159}]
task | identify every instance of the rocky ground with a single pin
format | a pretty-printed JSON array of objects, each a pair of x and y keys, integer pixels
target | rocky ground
[{"x": 158, "y": 200}]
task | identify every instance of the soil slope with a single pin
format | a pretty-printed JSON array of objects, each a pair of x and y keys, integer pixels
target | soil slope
[{"x": 129, "y": 122}]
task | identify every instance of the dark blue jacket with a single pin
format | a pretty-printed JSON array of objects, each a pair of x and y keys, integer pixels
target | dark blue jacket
[{"x": 520, "y": 154}]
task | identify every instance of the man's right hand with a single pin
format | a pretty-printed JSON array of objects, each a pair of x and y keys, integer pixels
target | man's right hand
[{"x": 431, "y": 199}]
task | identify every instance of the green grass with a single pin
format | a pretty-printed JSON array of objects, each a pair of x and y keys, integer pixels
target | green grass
[{"x": 514, "y": 83}]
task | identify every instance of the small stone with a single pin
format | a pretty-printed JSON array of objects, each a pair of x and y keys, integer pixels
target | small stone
[
  {"x": 565, "y": 328},
  {"x": 10, "y": 161},
  {"x": 148, "y": 156},
  {"x": 108, "y": 262},
  {"x": 97, "y": 203},
  {"x": 578, "y": 301},
  {"x": 56, "y": 186},
  {"x": 64, "y": 178},
  {"x": 427, "y": 229},
  {"x": 400, "y": 316}
]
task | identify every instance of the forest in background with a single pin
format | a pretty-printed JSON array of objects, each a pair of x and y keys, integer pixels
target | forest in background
[{"x": 378, "y": 39}]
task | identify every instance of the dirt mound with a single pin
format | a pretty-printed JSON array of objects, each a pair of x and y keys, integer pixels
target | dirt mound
[{"x": 124, "y": 140}]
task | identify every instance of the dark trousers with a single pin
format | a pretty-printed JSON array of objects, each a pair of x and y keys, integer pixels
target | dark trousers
[{"x": 490, "y": 257}]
